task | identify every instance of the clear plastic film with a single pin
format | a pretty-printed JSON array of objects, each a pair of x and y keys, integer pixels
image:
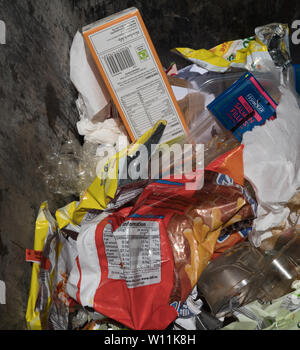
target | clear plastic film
[
  {"x": 60, "y": 170},
  {"x": 71, "y": 169},
  {"x": 282, "y": 314},
  {"x": 276, "y": 37},
  {"x": 245, "y": 273},
  {"x": 204, "y": 127}
]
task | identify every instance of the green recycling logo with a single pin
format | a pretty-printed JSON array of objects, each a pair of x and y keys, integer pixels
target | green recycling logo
[{"x": 143, "y": 54}]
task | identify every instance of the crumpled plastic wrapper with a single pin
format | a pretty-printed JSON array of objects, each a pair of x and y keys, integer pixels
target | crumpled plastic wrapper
[
  {"x": 192, "y": 317},
  {"x": 276, "y": 37},
  {"x": 71, "y": 169},
  {"x": 282, "y": 314},
  {"x": 268, "y": 49}
]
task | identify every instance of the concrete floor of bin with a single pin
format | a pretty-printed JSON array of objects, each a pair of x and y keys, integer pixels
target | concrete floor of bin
[{"x": 37, "y": 98}]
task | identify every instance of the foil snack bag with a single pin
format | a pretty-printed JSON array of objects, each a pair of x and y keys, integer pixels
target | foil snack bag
[
  {"x": 269, "y": 47},
  {"x": 112, "y": 188},
  {"x": 140, "y": 263},
  {"x": 53, "y": 256}
]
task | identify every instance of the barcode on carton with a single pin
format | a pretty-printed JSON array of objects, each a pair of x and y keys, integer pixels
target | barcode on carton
[{"x": 119, "y": 61}]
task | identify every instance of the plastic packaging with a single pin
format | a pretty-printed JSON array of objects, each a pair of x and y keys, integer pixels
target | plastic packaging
[
  {"x": 204, "y": 88},
  {"x": 113, "y": 186},
  {"x": 271, "y": 163},
  {"x": 193, "y": 317},
  {"x": 154, "y": 252},
  {"x": 276, "y": 37},
  {"x": 45, "y": 231},
  {"x": 231, "y": 238},
  {"x": 269, "y": 47},
  {"x": 83, "y": 171},
  {"x": 247, "y": 53},
  {"x": 282, "y": 314},
  {"x": 244, "y": 274},
  {"x": 71, "y": 169},
  {"x": 243, "y": 106},
  {"x": 296, "y": 68},
  {"x": 60, "y": 170},
  {"x": 134, "y": 250},
  {"x": 204, "y": 128},
  {"x": 48, "y": 304}
]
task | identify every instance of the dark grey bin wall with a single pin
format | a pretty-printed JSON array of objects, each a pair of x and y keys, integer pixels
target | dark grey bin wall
[{"x": 37, "y": 108}]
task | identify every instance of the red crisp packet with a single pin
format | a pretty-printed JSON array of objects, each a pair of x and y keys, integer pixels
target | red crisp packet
[
  {"x": 231, "y": 163},
  {"x": 139, "y": 264},
  {"x": 228, "y": 241}
]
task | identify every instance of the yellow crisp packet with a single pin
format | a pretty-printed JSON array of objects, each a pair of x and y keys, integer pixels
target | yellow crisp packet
[
  {"x": 96, "y": 197},
  {"x": 45, "y": 226},
  {"x": 248, "y": 53},
  {"x": 64, "y": 216},
  {"x": 104, "y": 188}
]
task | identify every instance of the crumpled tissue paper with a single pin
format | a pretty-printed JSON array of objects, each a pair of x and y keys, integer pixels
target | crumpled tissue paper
[{"x": 106, "y": 132}]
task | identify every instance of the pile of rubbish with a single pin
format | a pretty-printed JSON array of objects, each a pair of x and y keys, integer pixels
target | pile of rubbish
[{"x": 187, "y": 187}]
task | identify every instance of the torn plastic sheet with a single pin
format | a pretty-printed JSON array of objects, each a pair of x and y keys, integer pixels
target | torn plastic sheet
[{"x": 272, "y": 164}]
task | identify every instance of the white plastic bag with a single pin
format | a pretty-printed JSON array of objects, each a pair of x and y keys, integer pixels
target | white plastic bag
[
  {"x": 272, "y": 165},
  {"x": 93, "y": 95}
]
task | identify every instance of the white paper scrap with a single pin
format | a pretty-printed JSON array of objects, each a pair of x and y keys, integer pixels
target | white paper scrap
[{"x": 86, "y": 78}]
